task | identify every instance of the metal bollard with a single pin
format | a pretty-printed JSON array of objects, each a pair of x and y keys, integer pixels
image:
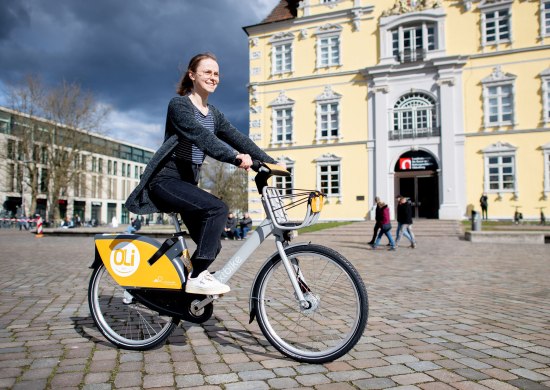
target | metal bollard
[{"x": 476, "y": 221}]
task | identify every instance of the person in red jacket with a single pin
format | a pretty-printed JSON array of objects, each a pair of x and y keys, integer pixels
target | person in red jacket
[{"x": 385, "y": 226}]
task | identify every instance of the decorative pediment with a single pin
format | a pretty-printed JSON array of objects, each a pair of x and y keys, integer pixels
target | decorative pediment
[
  {"x": 405, "y": 6},
  {"x": 282, "y": 100},
  {"x": 328, "y": 94},
  {"x": 286, "y": 160},
  {"x": 328, "y": 157},
  {"x": 499, "y": 147},
  {"x": 498, "y": 76},
  {"x": 329, "y": 28},
  {"x": 545, "y": 73},
  {"x": 282, "y": 37}
]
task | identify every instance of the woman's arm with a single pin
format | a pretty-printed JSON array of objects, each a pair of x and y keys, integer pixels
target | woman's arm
[
  {"x": 239, "y": 141},
  {"x": 181, "y": 118}
]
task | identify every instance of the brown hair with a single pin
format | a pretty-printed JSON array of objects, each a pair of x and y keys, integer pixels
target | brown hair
[{"x": 185, "y": 85}]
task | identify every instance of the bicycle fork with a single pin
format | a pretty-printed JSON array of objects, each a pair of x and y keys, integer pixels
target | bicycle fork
[{"x": 293, "y": 276}]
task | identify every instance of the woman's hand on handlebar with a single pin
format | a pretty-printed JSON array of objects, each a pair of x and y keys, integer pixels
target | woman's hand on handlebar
[{"x": 246, "y": 161}]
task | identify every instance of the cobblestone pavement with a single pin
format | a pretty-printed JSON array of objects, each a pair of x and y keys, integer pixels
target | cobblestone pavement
[{"x": 447, "y": 315}]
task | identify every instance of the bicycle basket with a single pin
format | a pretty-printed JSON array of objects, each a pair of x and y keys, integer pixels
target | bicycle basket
[{"x": 280, "y": 201}]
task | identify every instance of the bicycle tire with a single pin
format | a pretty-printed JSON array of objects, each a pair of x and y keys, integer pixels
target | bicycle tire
[
  {"x": 121, "y": 319},
  {"x": 338, "y": 312}
]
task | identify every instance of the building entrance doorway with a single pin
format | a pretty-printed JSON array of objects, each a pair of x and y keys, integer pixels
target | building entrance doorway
[{"x": 416, "y": 178}]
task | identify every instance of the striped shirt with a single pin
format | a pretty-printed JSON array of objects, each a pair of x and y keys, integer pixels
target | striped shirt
[{"x": 187, "y": 150}]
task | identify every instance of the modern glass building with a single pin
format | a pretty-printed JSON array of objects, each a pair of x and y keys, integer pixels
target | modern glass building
[{"x": 103, "y": 172}]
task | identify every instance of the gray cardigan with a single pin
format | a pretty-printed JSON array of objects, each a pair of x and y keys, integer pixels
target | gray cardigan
[{"x": 181, "y": 123}]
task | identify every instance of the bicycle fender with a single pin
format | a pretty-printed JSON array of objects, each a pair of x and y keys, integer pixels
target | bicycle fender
[
  {"x": 97, "y": 260},
  {"x": 253, "y": 300}
]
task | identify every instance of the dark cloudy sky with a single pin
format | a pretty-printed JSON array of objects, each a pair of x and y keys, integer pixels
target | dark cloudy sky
[{"x": 129, "y": 53}]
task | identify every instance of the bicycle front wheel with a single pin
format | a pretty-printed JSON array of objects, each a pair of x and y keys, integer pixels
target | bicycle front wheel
[
  {"x": 121, "y": 318},
  {"x": 337, "y": 304}
]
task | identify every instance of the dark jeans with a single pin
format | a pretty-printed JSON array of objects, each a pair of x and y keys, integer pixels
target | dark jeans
[{"x": 204, "y": 215}]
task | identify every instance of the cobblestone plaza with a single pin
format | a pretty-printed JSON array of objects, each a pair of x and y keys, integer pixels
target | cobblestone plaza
[{"x": 450, "y": 314}]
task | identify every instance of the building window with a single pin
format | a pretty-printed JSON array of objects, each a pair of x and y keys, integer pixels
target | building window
[
  {"x": 123, "y": 170},
  {"x": 285, "y": 182},
  {"x": 115, "y": 168},
  {"x": 414, "y": 115},
  {"x": 100, "y": 165},
  {"x": 282, "y": 119},
  {"x": 10, "y": 177},
  {"x": 495, "y": 23},
  {"x": 500, "y": 168},
  {"x": 498, "y": 94},
  {"x": 545, "y": 18},
  {"x": 329, "y": 51},
  {"x": 328, "y": 120},
  {"x": 128, "y": 169},
  {"x": 545, "y": 77},
  {"x": 328, "y": 115},
  {"x": 109, "y": 167},
  {"x": 282, "y": 61},
  {"x": 43, "y": 180},
  {"x": 411, "y": 43},
  {"x": 94, "y": 164},
  {"x": 136, "y": 172},
  {"x": 11, "y": 149},
  {"x": 281, "y": 53},
  {"x": 328, "y": 45},
  {"x": 499, "y": 104},
  {"x": 283, "y": 125},
  {"x": 546, "y": 155},
  {"x": 328, "y": 176},
  {"x": 83, "y": 163},
  {"x": 76, "y": 185}
]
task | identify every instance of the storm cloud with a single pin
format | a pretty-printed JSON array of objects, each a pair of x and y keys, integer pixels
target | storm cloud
[{"x": 130, "y": 53}]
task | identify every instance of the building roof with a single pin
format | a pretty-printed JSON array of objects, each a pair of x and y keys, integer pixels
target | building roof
[{"x": 286, "y": 9}]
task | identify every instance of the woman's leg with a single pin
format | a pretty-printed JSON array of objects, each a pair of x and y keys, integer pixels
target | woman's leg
[{"x": 204, "y": 216}]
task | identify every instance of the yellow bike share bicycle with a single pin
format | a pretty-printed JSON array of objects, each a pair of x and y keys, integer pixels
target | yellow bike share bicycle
[{"x": 310, "y": 302}]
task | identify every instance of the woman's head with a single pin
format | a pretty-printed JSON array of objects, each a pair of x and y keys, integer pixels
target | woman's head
[{"x": 186, "y": 83}]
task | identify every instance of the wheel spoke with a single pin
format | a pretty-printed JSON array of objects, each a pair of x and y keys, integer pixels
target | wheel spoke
[
  {"x": 332, "y": 323},
  {"x": 122, "y": 318}
]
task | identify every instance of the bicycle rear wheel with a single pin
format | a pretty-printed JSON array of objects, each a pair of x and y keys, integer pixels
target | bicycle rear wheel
[
  {"x": 337, "y": 299},
  {"x": 121, "y": 318}
]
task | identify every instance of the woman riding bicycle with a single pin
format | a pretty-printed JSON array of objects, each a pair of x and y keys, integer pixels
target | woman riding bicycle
[{"x": 194, "y": 129}]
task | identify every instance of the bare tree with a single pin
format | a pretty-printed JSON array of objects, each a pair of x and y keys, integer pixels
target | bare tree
[
  {"x": 227, "y": 183},
  {"x": 27, "y": 98},
  {"x": 72, "y": 116}
]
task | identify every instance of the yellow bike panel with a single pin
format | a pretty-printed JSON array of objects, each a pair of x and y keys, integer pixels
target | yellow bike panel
[
  {"x": 125, "y": 257},
  {"x": 317, "y": 203}
]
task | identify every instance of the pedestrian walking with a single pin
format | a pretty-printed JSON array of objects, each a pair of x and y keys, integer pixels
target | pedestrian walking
[
  {"x": 484, "y": 204},
  {"x": 404, "y": 221},
  {"x": 385, "y": 227},
  {"x": 377, "y": 218}
]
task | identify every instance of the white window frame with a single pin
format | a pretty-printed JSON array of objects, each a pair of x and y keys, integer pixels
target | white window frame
[
  {"x": 279, "y": 42},
  {"x": 545, "y": 79},
  {"x": 329, "y": 31},
  {"x": 389, "y": 24},
  {"x": 285, "y": 182},
  {"x": 282, "y": 102},
  {"x": 498, "y": 79},
  {"x": 332, "y": 161},
  {"x": 500, "y": 150},
  {"x": 328, "y": 97},
  {"x": 491, "y": 6},
  {"x": 546, "y": 154},
  {"x": 544, "y": 18},
  {"x": 425, "y": 47}
]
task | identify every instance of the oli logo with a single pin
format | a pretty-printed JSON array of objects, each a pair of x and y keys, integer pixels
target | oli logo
[
  {"x": 124, "y": 259},
  {"x": 405, "y": 163}
]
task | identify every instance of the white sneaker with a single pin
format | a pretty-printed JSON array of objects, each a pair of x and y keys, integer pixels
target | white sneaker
[{"x": 206, "y": 284}]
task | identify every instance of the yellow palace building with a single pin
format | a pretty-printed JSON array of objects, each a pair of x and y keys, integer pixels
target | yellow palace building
[{"x": 440, "y": 101}]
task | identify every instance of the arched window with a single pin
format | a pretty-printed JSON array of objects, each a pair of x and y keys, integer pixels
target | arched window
[{"x": 414, "y": 115}]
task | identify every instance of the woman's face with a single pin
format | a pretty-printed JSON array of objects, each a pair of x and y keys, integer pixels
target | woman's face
[{"x": 206, "y": 77}]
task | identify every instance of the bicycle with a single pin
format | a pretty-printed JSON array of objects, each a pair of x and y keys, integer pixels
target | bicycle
[{"x": 309, "y": 300}]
